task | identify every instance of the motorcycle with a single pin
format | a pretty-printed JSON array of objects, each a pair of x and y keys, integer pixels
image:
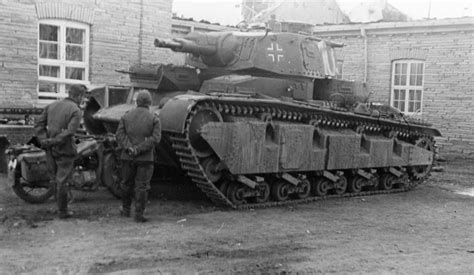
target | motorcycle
[{"x": 96, "y": 165}]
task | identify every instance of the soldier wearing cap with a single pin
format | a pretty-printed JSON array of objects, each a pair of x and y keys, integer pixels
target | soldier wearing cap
[
  {"x": 55, "y": 131},
  {"x": 138, "y": 133}
]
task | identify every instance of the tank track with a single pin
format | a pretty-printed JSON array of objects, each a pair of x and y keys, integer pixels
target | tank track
[{"x": 289, "y": 112}]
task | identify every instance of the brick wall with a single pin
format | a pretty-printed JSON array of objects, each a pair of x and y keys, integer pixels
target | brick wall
[
  {"x": 121, "y": 34},
  {"x": 17, "y": 134},
  {"x": 446, "y": 46},
  {"x": 18, "y": 54},
  {"x": 119, "y": 40},
  {"x": 12, "y": 135}
]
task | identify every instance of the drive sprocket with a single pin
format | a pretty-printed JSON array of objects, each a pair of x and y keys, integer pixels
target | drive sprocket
[{"x": 421, "y": 172}]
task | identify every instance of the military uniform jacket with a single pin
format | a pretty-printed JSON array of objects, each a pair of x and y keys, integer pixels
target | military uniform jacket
[
  {"x": 60, "y": 121},
  {"x": 139, "y": 128}
]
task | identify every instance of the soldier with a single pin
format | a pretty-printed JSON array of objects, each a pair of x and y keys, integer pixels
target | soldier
[
  {"x": 55, "y": 131},
  {"x": 273, "y": 24},
  {"x": 138, "y": 132}
]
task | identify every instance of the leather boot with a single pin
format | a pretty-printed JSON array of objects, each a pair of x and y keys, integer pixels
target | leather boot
[
  {"x": 140, "y": 203},
  {"x": 62, "y": 207},
  {"x": 126, "y": 202},
  {"x": 125, "y": 212}
]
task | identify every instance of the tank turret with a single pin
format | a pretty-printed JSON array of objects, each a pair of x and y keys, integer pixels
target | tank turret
[
  {"x": 218, "y": 50},
  {"x": 275, "y": 64},
  {"x": 258, "y": 53}
]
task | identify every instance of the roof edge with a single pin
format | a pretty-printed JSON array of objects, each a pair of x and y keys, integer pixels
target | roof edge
[{"x": 450, "y": 24}]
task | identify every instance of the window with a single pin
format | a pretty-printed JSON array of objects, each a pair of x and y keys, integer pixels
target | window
[
  {"x": 407, "y": 86},
  {"x": 63, "y": 57}
]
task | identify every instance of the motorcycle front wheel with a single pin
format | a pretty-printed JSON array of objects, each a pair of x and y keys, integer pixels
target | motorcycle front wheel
[{"x": 31, "y": 192}]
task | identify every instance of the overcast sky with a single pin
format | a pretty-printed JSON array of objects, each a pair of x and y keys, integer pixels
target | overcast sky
[{"x": 227, "y": 12}]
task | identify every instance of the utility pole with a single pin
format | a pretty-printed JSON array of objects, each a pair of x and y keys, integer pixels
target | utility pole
[
  {"x": 429, "y": 9},
  {"x": 250, "y": 7}
]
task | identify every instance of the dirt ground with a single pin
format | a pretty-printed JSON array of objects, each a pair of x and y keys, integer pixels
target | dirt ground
[{"x": 427, "y": 230}]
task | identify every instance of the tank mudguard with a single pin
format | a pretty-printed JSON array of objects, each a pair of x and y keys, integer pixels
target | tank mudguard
[{"x": 174, "y": 113}]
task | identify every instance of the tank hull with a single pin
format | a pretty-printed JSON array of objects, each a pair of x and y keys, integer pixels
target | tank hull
[{"x": 248, "y": 147}]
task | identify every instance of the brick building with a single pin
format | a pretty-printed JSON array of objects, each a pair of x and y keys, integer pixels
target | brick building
[
  {"x": 47, "y": 45},
  {"x": 424, "y": 68}
]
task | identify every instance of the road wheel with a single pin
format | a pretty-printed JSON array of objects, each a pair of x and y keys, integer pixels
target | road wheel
[
  {"x": 320, "y": 187},
  {"x": 280, "y": 191},
  {"x": 264, "y": 190},
  {"x": 387, "y": 182},
  {"x": 340, "y": 185},
  {"x": 235, "y": 193},
  {"x": 305, "y": 186},
  {"x": 356, "y": 184}
]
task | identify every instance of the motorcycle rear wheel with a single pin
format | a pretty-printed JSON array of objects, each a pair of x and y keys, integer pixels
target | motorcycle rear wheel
[
  {"x": 29, "y": 192},
  {"x": 111, "y": 176}
]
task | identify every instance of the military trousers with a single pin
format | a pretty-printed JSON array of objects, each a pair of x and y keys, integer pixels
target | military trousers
[
  {"x": 60, "y": 169},
  {"x": 136, "y": 177}
]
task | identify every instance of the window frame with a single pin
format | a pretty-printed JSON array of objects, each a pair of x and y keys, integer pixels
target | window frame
[
  {"x": 61, "y": 62},
  {"x": 407, "y": 88}
]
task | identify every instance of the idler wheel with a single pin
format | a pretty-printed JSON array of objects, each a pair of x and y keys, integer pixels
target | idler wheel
[
  {"x": 321, "y": 187},
  {"x": 236, "y": 193},
  {"x": 280, "y": 190},
  {"x": 422, "y": 171},
  {"x": 264, "y": 191},
  {"x": 356, "y": 184},
  {"x": 201, "y": 118},
  {"x": 210, "y": 166},
  {"x": 340, "y": 186},
  {"x": 305, "y": 188},
  {"x": 387, "y": 181}
]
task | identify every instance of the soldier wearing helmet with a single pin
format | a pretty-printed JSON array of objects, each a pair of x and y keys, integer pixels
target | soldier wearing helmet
[
  {"x": 138, "y": 133},
  {"x": 55, "y": 131}
]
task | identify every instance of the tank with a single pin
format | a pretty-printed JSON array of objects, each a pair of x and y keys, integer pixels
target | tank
[{"x": 257, "y": 119}]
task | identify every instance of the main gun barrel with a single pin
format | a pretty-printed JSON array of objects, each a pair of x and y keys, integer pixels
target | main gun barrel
[
  {"x": 186, "y": 45},
  {"x": 216, "y": 49},
  {"x": 167, "y": 43}
]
